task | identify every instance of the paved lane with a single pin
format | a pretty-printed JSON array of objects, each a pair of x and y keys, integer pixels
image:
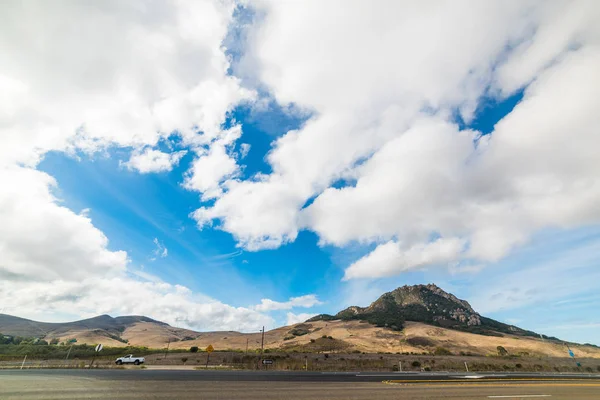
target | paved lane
[
  {"x": 49, "y": 385},
  {"x": 279, "y": 376}
]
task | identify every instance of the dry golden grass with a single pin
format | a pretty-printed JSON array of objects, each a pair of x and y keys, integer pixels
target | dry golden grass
[{"x": 358, "y": 335}]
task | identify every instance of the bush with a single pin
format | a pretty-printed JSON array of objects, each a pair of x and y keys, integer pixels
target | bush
[
  {"x": 184, "y": 359},
  {"x": 427, "y": 369},
  {"x": 419, "y": 341},
  {"x": 598, "y": 368},
  {"x": 589, "y": 369},
  {"x": 324, "y": 337},
  {"x": 288, "y": 337},
  {"x": 441, "y": 351},
  {"x": 416, "y": 364},
  {"x": 329, "y": 337},
  {"x": 501, "y": 351},
  {"x": 312, "y": 340},
  {"x": 518, "y": 366},
  {"x": 194, "y": 349}
]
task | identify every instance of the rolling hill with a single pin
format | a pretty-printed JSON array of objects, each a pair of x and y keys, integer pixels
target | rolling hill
[{"x": 416, "y": 319}]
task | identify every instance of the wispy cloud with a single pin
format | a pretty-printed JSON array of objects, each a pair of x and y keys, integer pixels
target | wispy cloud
[
  {"x": 306, "y": 301},
  {"x": 160, "y": 250}
]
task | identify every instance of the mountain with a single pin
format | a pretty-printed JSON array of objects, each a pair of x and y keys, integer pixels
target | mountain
[
  {"x": 101, "y": 329},
  {"x": 425, "y": 303}
]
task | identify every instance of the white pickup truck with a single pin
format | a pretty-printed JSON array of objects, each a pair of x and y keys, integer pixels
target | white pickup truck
[{"x": 130, "y": 359}]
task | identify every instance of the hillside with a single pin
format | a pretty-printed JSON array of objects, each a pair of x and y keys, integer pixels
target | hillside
[
  {"x": 428, "y": 304},
  {"x": 101, "y": 329},
  {"x": 411, "y": 319}
]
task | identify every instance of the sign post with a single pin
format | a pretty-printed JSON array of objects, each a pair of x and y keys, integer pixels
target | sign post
[
  {"x": 266, "y": 362},
  {"x": 96, "y": 351},
  {"x": 573, "y": 355},
  {"x": 209, "y": 350}
]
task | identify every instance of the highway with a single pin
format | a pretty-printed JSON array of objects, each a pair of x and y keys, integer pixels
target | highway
[{"x": 191, "y": 384}]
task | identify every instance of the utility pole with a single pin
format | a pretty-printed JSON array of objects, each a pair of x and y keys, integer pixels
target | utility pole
[
  {"x": 167, "y": 350},
  {"x": 262, "y": 345},
  {"x": 68, "y": 352}
]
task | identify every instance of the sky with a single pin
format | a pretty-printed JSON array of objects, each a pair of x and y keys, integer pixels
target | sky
[{"x": 230, "y": 165}]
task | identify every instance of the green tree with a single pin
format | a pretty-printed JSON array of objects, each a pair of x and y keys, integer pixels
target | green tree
[{"x": 194, "y": 349}]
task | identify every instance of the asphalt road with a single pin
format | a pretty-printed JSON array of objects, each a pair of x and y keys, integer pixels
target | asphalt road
[{"x": 171, "y": 385}]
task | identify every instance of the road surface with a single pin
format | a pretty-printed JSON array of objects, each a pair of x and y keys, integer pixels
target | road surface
[{"x": 171, "y": 385}]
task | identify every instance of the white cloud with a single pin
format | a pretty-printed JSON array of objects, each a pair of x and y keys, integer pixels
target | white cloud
[
  {"x": 174, "y": 304},
  {"x": 43, "y": 240},
  {"x": 297, "y": 318},
  {"x": 390, "y": 258},
  {"x": 84, "y": 76},
  {"x": 306, "y": 301},
  {"x": 213, "y": 166},
  {"x": 244, "y": 149},
  {"x": 383, "y": 106},
  {"x": 54, "y": 261},
  {"x": 151, "y": 160},
  {"x": 160, "y": 250}
]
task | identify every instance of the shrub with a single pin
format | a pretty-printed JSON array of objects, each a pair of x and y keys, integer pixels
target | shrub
[
  {"x": 184, "y": 359},
  {"x": 505, "y": 366},
  {"x": 419, "y": 341},
  {"x": 288, "y": 337},
  {"x": 416, "y": 364},
  {"x": 518, "y": 366},
  {"x": 501, "y": 351},
  {"x": 598, "y": 368},
  {"x": 312, "y": 340},
  {"x": 441, "y": 351},
  {"x": 324, "y": 337},
  {"x": 427, "y": 369},
  {"x": 329, "y": 337},
  {"x": 589, "y": 369},
  {"x": 194, "y": 349},
  {"x": 326, "y": 355}
]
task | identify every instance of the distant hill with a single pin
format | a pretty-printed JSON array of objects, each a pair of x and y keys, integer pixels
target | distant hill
[{"x": 100, "y": 329}]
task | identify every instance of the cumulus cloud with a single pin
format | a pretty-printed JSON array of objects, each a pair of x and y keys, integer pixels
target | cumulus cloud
[
  {"x": 384, "y": 121},
  {"x": 84, "y": 76},
  {"x": 214, "y": 164},
  {"x": 152, "y": 160},
  {"x": 390, "y": 259},
  {"x": 174, "y": 304},
  {"x": 41, "y": 239},
  {"x": 306, "y": 301},
  {"x": 297, "y": 318}
]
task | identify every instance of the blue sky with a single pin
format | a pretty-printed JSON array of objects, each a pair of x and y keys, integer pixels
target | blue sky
[{"x": 255, "y": 165}]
